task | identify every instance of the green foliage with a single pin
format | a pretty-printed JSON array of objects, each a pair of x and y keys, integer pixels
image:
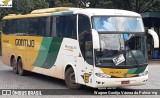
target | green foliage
[
  {"x": 139, "y": 6},
  {"x": 65, "y": 3},
  {"x": 26, "y": 6},
  {"x": 23, "y": 7},
  {"x": 62, "y": 3}
]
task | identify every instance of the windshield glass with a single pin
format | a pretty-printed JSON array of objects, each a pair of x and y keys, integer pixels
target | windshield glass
[
  {"x": 122, "y": 24},
  {"x": 121, "y": 50}
]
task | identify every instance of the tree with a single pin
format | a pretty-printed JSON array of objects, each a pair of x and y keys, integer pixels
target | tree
[
  {"x": 62, "y": 3},
  {"x": 26, "y": 6},
  {"x": 23, "y": 7},
  {"x": 139, "y": 6}
]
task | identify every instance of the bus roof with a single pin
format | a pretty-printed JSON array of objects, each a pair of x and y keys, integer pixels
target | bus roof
[
  {"x": 109, "y": 12},
  {"x": 41, "y": 12},
  {"x": 68, "y": 10}
]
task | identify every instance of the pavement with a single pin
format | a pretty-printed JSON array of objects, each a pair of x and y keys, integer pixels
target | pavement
[
  {"x": 154, "y": 62},
  {"x": 33, "y": 81}
]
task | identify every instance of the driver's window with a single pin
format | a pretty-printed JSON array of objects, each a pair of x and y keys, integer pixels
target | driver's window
[{"x": 85, "y": 38}]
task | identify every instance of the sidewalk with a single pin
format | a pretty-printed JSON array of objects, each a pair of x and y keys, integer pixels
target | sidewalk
[{"x": 154, "y": 62}]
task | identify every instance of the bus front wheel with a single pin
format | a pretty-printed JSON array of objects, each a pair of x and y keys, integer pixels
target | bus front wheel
[
  {"x": 14, "y": 65},
  {"x": 21, "y": 71},
  {"x": 70, "y": 79}
]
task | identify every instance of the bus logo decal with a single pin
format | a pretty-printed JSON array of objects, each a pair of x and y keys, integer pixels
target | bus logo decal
[
  {"x": 5, "y": 41},
  {"x": 85, "y": 77},
  {"x": 24, "y": 42},
  {"x": 125, "y": 75},
  {"x": 70, "y": 48},
  {"x": 5, "y": 3}
]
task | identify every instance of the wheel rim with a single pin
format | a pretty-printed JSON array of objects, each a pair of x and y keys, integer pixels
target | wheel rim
[{"x": 72, "y": 78}]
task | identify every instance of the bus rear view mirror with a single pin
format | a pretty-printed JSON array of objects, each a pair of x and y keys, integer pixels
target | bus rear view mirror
[
  {"x": 95, "y": 37},
  {"x": 155, "y": 38}
]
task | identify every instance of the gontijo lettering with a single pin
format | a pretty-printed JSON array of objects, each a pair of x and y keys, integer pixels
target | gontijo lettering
[{"x": 24, "y": 42}]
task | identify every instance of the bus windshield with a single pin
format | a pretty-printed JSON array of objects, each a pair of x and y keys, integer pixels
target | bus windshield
[
  {"x": 120, "y": 24},
  {"x": 121, "y": 50}
]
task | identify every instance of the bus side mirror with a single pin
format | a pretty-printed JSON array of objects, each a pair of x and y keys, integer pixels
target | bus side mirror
[
  {"x": 155, "y": 38},
  {"x": 95, "y": 38}
]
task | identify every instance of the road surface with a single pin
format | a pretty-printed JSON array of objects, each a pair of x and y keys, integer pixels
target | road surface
[{"x": 8, "y": 80}]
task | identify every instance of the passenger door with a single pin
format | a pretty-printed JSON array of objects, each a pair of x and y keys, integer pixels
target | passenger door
[{"x": 85, "y": 57}]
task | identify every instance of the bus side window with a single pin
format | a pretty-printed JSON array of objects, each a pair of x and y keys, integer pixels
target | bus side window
[
  {"x": 23, "y": 27},
  {"x": 66, "y": 26},
  {"x": 53, "y": 27},
  {"x": 74, "y": 28},
  {"x": 47, "y": 26},
  {"x": 44, "y": 26},
  {"x": 3, "y": 26},
  {"x": 32, "y": 26},
  {"x": 11, "y": 27},
  {"x": 59, "y": 26}
]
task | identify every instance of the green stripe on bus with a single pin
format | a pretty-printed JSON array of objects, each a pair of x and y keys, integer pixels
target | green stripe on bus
[
  {"x": 67, "y": 13},
  {"x": 43, "y": 52},
  {"x": 48, "y": 52},
  {"x": 140, "y": 70},
  {"x": 131, "y": 71},
  {"x": 136, "y": 70},
  {"x": 52, "y": 53},
  {"x": 62, "y": 13},
  {"x": 57, "y": 13}
]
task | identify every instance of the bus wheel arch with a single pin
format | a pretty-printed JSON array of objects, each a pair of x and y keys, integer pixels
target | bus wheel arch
[
  {"x": 70, "y": 78},
  {"x": 20, "y": 65},
  {"x": 13, "y": 64}
]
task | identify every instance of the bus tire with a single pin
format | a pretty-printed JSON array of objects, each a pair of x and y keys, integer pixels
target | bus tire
[
  {"x": 21, "y": 71},
  {"x": 14, "y": 65},
  {"x": 70, "y": 79}
]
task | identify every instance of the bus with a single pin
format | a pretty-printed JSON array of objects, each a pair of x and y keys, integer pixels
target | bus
[{"x": 92, "y": 47}]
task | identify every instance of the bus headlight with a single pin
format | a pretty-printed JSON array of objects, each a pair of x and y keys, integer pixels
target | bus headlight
[
  {"x": 102, "y": 75},
  {"x": 143, "y": 73}
]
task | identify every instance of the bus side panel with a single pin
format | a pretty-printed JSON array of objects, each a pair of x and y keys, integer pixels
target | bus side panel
[
  {"x": 67, "y": 56},
  {"x": 6, "y": 49},
  {"x": 32, "y": 51},
  {"x": 6, "y": 54},
  {"x": 47, "y": 55},
  {"x": 70, "y": 54},
  {"x": 10, "y": 48}
]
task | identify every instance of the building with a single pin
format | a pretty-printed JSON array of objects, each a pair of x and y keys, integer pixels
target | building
[{"x": 152, "y": 21}]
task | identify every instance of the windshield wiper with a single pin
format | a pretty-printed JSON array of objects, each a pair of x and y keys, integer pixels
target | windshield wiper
[{"x": 133, "y": 56}]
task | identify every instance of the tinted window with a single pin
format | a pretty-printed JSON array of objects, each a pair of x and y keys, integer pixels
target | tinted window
[
  {"x": 66, "y": 26},
  {"x": 53, "y": 27},
  {"x": 85, "y": 38},
  {"x": 83, "y": 24},
  {"x": 31, "y": 26},
  {"x": 39, "y": 26},
  {"x": 10, "y": 26},
  {"x": 22, "y": 26}
]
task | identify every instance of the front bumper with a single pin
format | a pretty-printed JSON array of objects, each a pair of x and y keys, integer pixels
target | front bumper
[{"x": 116, "y": 82}]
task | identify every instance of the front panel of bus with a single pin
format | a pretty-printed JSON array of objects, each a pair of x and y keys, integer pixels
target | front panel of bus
[{"x": 122, "y": 57}]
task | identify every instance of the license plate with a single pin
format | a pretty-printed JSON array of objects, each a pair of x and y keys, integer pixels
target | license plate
[{"x": 125, "y": 82}]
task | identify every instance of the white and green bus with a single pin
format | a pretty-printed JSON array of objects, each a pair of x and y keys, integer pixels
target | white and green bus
[{"x": 92, "y": 47}]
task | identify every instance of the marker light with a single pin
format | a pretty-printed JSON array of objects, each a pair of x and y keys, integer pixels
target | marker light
[
  {"x": 143, "y": 73},
  {"x": 102, "y": 75}
]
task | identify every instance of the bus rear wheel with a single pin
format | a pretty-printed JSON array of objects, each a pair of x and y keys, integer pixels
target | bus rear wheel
[
  {"x": 70, "y": 79},
  {"x": 14, "y": 65},
  {"x": 21, "y": 71}
]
